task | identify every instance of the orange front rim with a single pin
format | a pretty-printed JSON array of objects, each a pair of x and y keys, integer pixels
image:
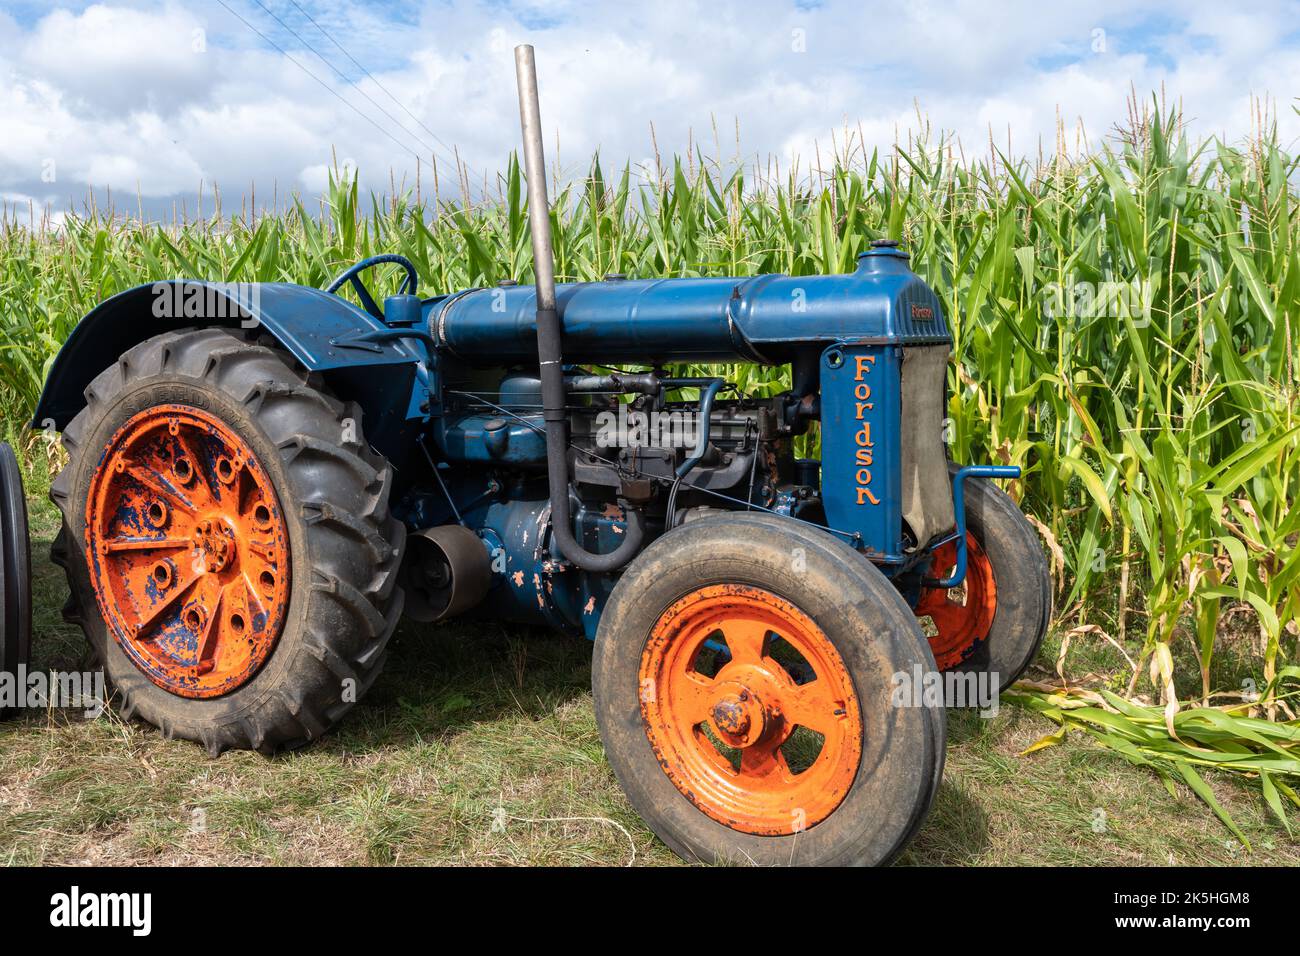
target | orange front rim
[
  {"x": 750, "y": 710},
  {"x": 188, "y": 551},
  {"x": 962, "y": 616}
]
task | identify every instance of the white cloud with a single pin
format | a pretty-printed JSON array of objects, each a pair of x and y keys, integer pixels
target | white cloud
[
  {"x": 116, "y": 94},
  {"x": 112, "y": 59}
]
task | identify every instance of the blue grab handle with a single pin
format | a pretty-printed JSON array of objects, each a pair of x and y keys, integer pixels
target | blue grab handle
[{"x": 959, "y": 510}]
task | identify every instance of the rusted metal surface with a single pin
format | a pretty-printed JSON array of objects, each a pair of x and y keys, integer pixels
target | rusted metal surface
[
  {"x": 962, "y": 617},
  {"x": 188, "y": 551},
  {"x": 752, "y": 704}
]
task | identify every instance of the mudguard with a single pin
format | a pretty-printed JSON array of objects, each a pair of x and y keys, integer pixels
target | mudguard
[{"x": 321, "y": 330}]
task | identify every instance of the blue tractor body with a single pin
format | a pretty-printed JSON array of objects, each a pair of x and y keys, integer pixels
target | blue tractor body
[{"x": 450, "y": 393}]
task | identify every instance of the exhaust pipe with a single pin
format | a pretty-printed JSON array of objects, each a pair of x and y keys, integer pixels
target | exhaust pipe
[{"x": 549, "y": 354}]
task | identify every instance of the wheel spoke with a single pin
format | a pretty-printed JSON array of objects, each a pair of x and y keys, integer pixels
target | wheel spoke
[
  {"x": 747, "y": 640},
  {"x": 253, "y": 598},
  {"x": 711, "y": 754},
  {"x": 114, "y": 545},
  {"x": 765, "y": 762},
  {"x": 693, "y": 693},
  {"x": 161, "y": 486},
  {"x": 266, "y": 549},
  {"x": 207, "y": 645},
  {"x": 146, "y": 625},
  {"x": 245, "y": 490},
  {"x": 813, "y": 705},
  {"x": 195, "y": 461}
]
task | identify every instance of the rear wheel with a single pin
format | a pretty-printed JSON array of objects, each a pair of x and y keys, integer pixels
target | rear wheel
[
  {"x": 995, "y": 621},
  {"x": 745, "y": 679},
  {"x": 227, "y": 541},
  {"x": 15, "y": 570}
]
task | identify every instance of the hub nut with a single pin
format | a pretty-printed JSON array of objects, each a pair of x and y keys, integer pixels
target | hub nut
[
  {"x": 739, "y": 716},
  {"x": 214, "y": 543}
]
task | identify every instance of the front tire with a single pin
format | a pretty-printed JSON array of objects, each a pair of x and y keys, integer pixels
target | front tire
[
  {"x": 227, "y": 542},
  {"x": 995, "y": 623},
  {"x": 725, "y": 651}
]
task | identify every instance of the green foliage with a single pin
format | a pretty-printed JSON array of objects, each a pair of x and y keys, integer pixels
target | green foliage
[{"x": 1124, "y": 323}]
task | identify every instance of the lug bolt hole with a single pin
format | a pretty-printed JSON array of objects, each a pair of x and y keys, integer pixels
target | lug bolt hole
[
  {"x": 162, "y": 575},
  {"x": 237, "y": 623},
  {"x": 183, "y": 470},
  {"x": 262, "y": 517},
  {"x": 267, "y": 580},
  {"x": 193, "y": 619},
  {"x": 225, "y": 471},
  {"x": 156, "y": 514}
]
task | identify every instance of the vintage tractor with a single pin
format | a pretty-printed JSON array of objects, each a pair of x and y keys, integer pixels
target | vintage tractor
[{"x": 262, "y": 480}]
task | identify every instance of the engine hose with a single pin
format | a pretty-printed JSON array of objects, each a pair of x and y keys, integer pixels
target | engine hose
[{"x": 557, "y": 459}]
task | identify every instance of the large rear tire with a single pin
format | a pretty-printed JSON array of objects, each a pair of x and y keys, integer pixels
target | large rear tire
[
  {"x": 227, "y": 541},
  {"x": 745, "y": 683}
]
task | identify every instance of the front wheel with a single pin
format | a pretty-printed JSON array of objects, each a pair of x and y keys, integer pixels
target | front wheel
[
  {"x": 995, "y": 621},
  {"x": 747, "y": 678}
]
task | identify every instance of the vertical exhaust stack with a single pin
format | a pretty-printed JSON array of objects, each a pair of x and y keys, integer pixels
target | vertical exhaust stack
[{"x": 549, "y": 354}]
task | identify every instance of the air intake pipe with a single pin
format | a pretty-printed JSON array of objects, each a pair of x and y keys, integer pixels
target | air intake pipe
[{"x": 549, "y": 354}]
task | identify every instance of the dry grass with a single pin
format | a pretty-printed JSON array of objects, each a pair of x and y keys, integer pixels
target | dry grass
[{"x": 478, "y": 746}]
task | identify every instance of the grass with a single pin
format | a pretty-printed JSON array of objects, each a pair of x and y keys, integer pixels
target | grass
[
  {"x": 478, "y": 745},
  {"x": 1126, "y": 324}
]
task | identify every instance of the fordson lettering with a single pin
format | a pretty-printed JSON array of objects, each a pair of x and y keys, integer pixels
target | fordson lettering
[{"x": 862, "y": 392}]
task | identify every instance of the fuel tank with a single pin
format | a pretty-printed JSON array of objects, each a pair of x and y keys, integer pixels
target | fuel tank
[{"x": 765, "y": 319}]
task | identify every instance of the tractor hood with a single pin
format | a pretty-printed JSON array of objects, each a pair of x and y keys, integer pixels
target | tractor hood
[{"x": 764, "y": 318}]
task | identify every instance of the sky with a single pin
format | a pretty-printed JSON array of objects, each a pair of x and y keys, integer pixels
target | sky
[{"x": 151, "y": 98}]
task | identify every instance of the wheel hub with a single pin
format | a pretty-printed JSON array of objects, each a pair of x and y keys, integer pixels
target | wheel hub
[
  {"x": 188, "y": 551},
  {"x": 214, "y": 544},
  {"x": 733, "y": 676},
  {"x": 739, "y": 716}
]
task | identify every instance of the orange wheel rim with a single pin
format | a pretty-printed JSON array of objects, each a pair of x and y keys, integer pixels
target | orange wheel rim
[
  {"x": 188, "y": 551},
  {"x": 962, "y": 616},
  {"x": 733, "y": 676}
]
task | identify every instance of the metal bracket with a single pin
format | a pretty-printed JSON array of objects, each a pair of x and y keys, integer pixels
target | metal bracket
[
  {"x": 356, "y": 340},
  {"x": 372, "y": 340},
  {"x": 959, "y": 509}
]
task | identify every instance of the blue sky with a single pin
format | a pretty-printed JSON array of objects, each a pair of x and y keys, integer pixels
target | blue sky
[{"x": 160, "y": 95}]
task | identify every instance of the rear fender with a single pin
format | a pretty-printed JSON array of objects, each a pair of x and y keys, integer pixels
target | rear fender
[{"x": 387, "y": 379}]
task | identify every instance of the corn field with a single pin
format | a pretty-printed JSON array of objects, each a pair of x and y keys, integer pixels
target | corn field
[{"x": 1125, "y": 325}]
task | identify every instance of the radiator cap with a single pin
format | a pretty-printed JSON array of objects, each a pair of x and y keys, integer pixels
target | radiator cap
[{"x": 885, "y": 255}]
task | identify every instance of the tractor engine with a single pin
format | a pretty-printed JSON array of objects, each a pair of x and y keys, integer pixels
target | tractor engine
[{"x": 868, "y": 356}]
